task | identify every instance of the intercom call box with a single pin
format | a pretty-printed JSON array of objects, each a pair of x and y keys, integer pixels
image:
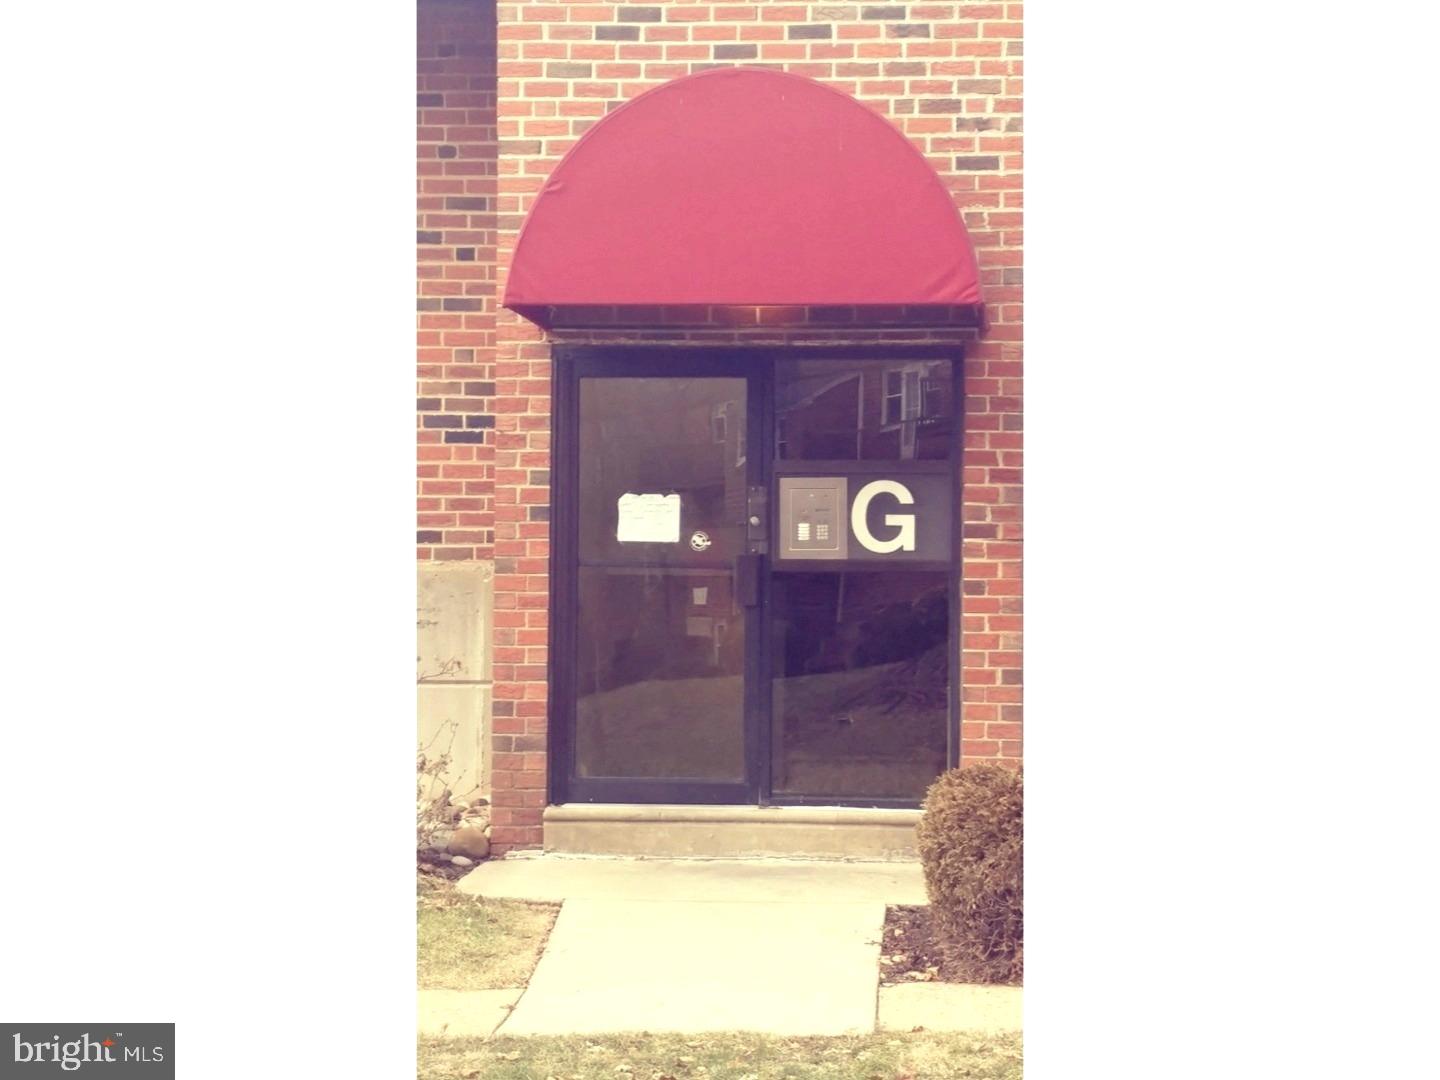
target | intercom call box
[{"x": 813, "y": 521}]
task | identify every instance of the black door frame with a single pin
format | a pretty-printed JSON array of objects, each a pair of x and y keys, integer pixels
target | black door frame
[{"x": 569, "y": 364}]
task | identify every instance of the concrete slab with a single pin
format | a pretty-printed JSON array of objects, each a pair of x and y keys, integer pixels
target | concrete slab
[
  {"x": 460, "y": 1013},
  {"x": 743, "y": 832},
  {"x": 705, "y": 965},
  {"x": 950, "y": 1007},
  {"x": 775, "y": 881}
]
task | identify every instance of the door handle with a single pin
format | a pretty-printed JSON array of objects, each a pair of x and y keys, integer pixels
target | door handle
[{"x": 757, "y": 531}]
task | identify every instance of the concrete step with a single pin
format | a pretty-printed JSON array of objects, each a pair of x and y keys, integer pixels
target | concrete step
[{"x": 674, "y": 831}]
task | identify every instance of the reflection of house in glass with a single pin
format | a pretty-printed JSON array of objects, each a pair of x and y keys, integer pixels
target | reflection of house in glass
[{"x": 866, "y": 410}]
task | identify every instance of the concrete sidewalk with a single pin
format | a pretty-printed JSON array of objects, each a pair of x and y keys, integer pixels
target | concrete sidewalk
[
  {"x": 781, "y": 946},
  {"x": 787, "y": 881},
  {"x": 696, "y": 965}
]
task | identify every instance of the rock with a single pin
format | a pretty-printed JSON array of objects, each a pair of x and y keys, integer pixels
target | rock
[
  {"x": 461, "y": 860},
  {"x": 471, "y": 842}
]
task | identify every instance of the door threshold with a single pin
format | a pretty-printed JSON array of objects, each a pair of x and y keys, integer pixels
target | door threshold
[{"x": 737, "y": 832}]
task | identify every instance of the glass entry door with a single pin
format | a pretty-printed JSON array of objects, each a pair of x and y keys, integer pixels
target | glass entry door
[
  {"x": 696, "y": 658},
  {"x": 657, "y": 657}
]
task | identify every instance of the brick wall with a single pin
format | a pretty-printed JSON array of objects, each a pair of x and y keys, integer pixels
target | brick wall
[
  {"x": 456, "y": 277},
  {"x": 947, "y": 75}
]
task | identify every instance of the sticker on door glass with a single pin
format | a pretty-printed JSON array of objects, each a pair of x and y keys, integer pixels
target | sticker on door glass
[{"x": 647, "y": 519}]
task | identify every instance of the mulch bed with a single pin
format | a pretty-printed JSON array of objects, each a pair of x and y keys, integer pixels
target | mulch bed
[
  {"x": 908, "y": 949},
  {"x": 437, "y": 864}
]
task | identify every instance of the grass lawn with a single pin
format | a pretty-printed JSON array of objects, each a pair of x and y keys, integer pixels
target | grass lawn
[
  {"x": 471, "y": 943},
  {"x": 886, "y": 1056}
]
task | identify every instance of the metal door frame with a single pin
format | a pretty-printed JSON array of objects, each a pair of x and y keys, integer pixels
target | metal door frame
[{"x": 570, "y": 363}]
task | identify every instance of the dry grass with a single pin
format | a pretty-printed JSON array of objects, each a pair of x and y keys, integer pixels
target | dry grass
[
  {"x": 471, "y": 943},
  {"x": 885, "y": 1056}
]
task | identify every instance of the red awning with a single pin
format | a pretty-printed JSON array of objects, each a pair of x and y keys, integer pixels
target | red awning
[{"x": 741, "y": 186}]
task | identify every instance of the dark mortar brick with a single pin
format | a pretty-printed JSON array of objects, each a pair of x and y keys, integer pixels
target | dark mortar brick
[
  {"x": 467, "y": 202},
  {"x": 1012, "y": 275},
  {"x": 460, "y": 303},
  {"x": 464, "y": 436},
  {"x": 429, "y": 99},
  {"x": 479, "y": 389},
  {"x": 891, "y": 13},
  {"x": 464, "y": 356},
  {"x": 904, "y": 67},
  {"x": 441, "y": 420},
  {"x": 539, "y": 513},
  {"x": 617, "y": 33},
  {"x": 976, "y": 164},
  {"x": 976, "y": 123},
  {"x": 464, "y": 254},
  {"x": 1015, "y": 123},
  {"x": 479, "y": 421},
  {"x": 427, "y": 404},
  {"x": 539, "y": 476},
  {"x": 505, "y": 566},
  {"x": 502, "y": 708},
  {"x": 568, "y": 71},
  {"x": 427, "y": 536},
  {"x": 424, "y": 237},
  {"x": 637, "y": 14},
  {"x": 531, "y": 743},
  {"x": 908, "y": 30},
  {"x": 735, "y": 52},
  {"x": 446, "y": 151},
  {"x": 522, "y": 147},
  {"x": 428, "y": 303},
  {"x": 949, "y": 105},
  {"x": 795, "y": 33}
]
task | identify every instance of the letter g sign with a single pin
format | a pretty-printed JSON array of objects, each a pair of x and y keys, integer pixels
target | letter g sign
[{"x": 904, "y": 540}]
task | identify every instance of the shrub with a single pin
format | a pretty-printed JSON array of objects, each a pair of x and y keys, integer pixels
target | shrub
[
  {"x": 971, "y": 848},
  {"x": 433, "y": 812}
]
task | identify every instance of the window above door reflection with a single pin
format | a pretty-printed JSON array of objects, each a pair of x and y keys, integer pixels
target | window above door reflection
[{"x": 863, "y": 410}]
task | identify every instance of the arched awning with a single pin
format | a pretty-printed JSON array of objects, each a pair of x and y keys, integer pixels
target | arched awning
[{"x": 742, "y": 186}]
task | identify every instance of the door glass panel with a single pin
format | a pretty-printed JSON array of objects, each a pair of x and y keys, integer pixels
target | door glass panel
[
  {"x": 659, "y": 682},
  {"x": 863, "y": 410},
  {"x": 861, "y": 683},
  {"x": 662, "y": 437},
  {"x": 661, "y": 639}
]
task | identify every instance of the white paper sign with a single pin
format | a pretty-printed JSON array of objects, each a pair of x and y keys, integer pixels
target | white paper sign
[{"x": 647, "y": 519}]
